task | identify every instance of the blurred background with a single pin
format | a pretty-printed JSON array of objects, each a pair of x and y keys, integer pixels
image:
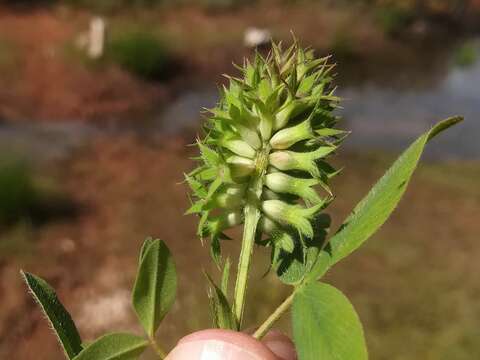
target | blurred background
[{"x": 99, "y": 98}]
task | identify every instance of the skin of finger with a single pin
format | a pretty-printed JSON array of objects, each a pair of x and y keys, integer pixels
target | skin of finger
[
  {"x": 281, "y": 345},
  {"x": 216, "y": 344}
]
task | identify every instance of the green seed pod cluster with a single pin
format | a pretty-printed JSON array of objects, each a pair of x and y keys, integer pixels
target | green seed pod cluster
[{"x": 266, "y": 147}]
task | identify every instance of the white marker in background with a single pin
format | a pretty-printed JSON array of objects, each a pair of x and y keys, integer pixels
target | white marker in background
[{"x": 96, "y": 38}]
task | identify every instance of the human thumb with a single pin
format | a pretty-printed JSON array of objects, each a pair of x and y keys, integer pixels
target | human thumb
[{"x": 216, "y": 344}]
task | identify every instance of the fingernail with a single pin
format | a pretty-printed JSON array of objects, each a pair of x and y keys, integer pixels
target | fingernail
[{"x": 220, "y": 345}]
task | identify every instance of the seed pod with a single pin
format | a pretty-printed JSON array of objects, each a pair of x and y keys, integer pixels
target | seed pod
[
  {"x": 282, "y": 183},
  {"x": 240, "y": 166},
  {"x": 285, "y": 138},
  {"x": 236, "y": 189},
  {"x": 225, "y": 221},
  {"x": 290, "y": 160},
  {"x": 225, "y": 201},
  {"x": 292, "y": 215},
  {"x": 267, "y": 226},
  {"x": 278, "y": 236},
  {"x": 268, "y": 194},
  {"x": 249, "y": 136},
  {"x": 288, "y": 112},
  {"x": 239, "y": 147}
]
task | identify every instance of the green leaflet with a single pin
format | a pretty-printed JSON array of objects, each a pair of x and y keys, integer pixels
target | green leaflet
[
  {"x": 146, "y": 244},
  {"x": 116, "y": 346},
  {"x": 326, "y": 326},
  {"x": 222, "y": 312},
  {"x": 370, "y": 214},
  {"x": 57, "y": 315},
  {"x": 155, "y": 286}
]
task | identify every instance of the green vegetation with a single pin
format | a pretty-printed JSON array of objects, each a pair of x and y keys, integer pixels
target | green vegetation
[
  {"x": 117, "y": 5},
  {"x": 343, "y": 45},
  {"x": 25, "y": 197},
  {"x": 112, "y": 5},
  {"x": 141, "y": 53},
  {"x": 466, "y": 54},
  {"x": 18, "y": 194},
  {"x": 221, "y": 4},
  {"x": 393, "y": 20}
]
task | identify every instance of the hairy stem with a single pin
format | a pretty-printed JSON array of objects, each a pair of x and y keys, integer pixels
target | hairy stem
[
  {"x": 274, "y": 317},
  {"x": 252, "y": 216}
]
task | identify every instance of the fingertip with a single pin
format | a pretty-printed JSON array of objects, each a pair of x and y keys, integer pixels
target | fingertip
[
  {"x": 281, "y": 345},
  {"x": 216, "y": 344}
]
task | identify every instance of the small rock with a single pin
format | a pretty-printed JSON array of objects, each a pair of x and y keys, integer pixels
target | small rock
[{"x": 67, "y": 245}]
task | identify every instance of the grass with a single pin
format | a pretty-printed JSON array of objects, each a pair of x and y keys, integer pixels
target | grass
[
  {"x": 466, "y": 54},
  {"x": 343, "y": 46},
  {"x": 140, "y": 52},
  {"x": 26, "y": 197},
  {"x": 108, "y": 6},
  {"x": 18, "y": 195},
  {"x": 113, "y": 5},
  {"x": 222, "y": 4},
  {"x": 393, "y": 20}
]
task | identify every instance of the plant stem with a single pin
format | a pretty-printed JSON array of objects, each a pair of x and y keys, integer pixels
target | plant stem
[
  {"x": 272, "y": 319},
  {"x": 158, "y": 350},
  {"x": 252, "y": 216}
]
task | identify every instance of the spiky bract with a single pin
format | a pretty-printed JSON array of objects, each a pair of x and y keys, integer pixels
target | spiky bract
[{"x": 274, "y": 124}]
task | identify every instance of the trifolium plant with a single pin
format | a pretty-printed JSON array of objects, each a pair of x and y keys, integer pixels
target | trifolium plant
[{"x": 263, "y": 165}]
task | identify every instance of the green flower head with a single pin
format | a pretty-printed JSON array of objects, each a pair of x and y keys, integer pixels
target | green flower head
[{"x": 266, "y": 147}]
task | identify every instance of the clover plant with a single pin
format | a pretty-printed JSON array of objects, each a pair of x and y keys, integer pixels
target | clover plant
[{"x": 263, "y": 165}]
